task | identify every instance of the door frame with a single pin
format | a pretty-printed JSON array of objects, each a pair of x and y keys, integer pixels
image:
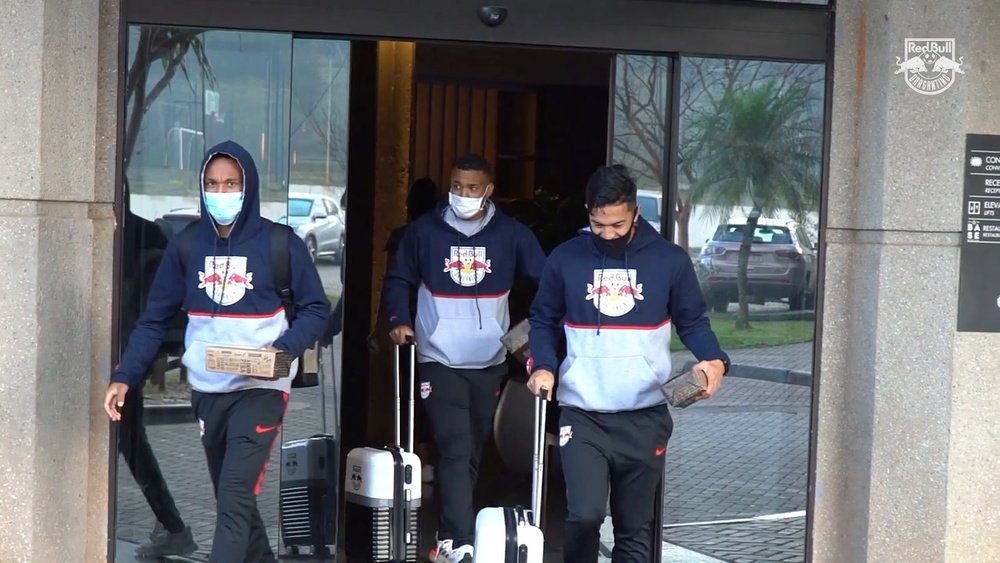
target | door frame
[{"x": 753, "y": 29}]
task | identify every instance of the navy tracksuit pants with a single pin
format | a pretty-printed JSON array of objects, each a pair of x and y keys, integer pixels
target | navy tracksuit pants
[
  {"x": 460, "y": 404},
  {"x": 620, "y": 452},
  {"x": 238, "y": 430}
]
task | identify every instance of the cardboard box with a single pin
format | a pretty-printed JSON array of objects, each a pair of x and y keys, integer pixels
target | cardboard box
[{"x": 252, "y": 362}]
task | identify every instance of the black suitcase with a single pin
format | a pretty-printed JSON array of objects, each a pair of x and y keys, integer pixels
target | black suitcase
[{"x": 308, "y": 491}]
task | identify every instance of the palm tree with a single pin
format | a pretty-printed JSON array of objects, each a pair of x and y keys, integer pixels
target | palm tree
[{"x": 763, "y": 149}]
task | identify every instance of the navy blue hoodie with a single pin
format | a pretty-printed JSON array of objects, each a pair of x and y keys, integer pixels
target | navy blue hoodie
[
  {"x": 229, "y": 295},
  {"x": 616, "y": 313},
  {"x": 463, "y": 283}
]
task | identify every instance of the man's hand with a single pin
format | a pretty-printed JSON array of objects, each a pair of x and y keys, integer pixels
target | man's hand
[
  {"x": 270, "y": 348},
  {"x": 713, "y": 370},
  {"x": 542, "y": 379},
  {"x": 400, "y": 335},
  {"x": 114, "y": 400}
]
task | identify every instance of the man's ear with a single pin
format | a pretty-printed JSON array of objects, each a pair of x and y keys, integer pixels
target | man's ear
[{"x": 489, "y": 191}]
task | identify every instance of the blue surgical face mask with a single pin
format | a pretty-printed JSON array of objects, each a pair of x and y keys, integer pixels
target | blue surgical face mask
[{"x": 224, "y": 206}]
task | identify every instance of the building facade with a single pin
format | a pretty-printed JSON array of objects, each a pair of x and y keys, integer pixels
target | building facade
[{"x": 902, "y": 424}]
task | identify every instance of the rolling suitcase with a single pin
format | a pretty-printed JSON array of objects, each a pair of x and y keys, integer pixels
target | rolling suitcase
[
  {"x": 383, "y": 491},
  {"x": 514, "y": 535},
  {"x": 308, "y": 483}
]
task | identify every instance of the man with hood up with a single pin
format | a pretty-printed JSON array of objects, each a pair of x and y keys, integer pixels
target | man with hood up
[
  {"x": 229, "y": 294},
  {"x": 461, "y": 259},
  {"x": 615, "y": 292}
]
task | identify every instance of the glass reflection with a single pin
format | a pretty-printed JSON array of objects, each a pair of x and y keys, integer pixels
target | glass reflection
[
  {"x": 187, "y": 89},
  {"x": 747, "y": 210}
]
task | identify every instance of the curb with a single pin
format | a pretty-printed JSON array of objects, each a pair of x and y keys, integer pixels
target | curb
[{"x": 774, "y": 375}]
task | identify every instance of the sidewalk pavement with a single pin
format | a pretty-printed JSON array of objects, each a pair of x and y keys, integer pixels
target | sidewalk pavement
[{"x": 741, "y": 455}]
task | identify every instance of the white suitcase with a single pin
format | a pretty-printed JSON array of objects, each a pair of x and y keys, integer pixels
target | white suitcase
[
  {"x": 514, "y": 535},
  {"x": 383, "y": 486}
]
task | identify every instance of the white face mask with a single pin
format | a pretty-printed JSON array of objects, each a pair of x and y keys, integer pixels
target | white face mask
[{"x": 465, "y": 207}]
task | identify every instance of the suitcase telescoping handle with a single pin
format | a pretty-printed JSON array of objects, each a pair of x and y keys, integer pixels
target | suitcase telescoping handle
[
  {"x": 538, "y": 462},
  {"x": 413, "y": 371}
]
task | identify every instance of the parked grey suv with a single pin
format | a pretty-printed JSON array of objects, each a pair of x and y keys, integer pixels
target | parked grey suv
[
  {"x": 319, "y": 221},
  {"x": 782, "y": 265}
]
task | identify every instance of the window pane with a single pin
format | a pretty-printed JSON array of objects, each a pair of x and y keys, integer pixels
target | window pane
[
  {"x": 187, "y": 89},
  {"x": 750, "y": 144}
]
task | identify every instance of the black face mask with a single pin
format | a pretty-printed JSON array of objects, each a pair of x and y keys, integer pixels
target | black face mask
[{"x": 613, "y": 248}]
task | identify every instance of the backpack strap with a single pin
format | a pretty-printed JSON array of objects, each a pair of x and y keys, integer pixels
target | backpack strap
[
  {"x": 187, "y": 241},
  {"x": 282, "y": 267}
]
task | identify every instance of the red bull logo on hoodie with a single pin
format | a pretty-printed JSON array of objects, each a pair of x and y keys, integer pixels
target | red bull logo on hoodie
[
  {"x": 614, "y": 292},
  {"x": 225, "y": 279},
  {"x": 467, "y": 265}
]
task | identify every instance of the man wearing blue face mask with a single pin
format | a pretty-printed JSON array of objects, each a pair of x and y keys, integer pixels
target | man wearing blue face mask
[
  {"x": 225, "y": 287},
  {"x": 461, "y": 259}
]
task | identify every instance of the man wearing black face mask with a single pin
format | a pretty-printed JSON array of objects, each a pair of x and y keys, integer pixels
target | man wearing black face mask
[{"x": 615, "y": 294}]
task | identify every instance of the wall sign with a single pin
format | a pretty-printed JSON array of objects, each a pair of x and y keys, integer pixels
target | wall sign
[{"x": 979, "y": 275}]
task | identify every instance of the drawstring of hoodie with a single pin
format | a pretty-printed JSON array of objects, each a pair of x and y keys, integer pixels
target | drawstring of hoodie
[
  {"x": 600, "y": 284},
  {"x": 631, "y": 280}
]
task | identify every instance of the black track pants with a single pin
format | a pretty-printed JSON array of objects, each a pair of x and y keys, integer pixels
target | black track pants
[
  {"x": 238, "y": 431},
  {"x": 622, "y": 451},
  {"x": 460, "y": 404}
]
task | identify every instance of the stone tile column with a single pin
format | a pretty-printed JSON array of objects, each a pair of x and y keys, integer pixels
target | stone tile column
[
  {"x": 58, "y": 83},
  {"x": 908, "y": 417}
]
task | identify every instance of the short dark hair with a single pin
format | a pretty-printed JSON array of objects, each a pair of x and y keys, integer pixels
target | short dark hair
[
  {"x": 475, "y": 162},
  {"x": 610, "y": 185}
]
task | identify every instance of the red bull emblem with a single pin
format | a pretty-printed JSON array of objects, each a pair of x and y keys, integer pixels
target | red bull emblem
[
  {"x": 225, "y": 278},
  {"x": 614, "y": 292},
  {"x": 468, "y": 265},
  {"x": 929, "y": 65},
  {"x": 565, "y": 434}
]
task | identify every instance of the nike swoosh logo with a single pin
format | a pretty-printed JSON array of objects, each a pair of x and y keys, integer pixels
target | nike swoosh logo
[
  {"x": 264, "y": 429},
  {"x": 659, "y": 451}
]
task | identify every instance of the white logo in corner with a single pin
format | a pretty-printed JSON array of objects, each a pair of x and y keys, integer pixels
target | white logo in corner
[
  {"x": 929, "y": 65},
  {"x": 201, "y": 426},
  {"x": 565, "y": 433},
  {"x": 614, "y": 292},
  {"x": 425, "y": 389},
  {"x": 225, "y": 279},
  {"x": 467, "y": 265}
]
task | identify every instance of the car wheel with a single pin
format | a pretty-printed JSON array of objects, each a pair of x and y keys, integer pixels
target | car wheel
[
  {"x": 718, "y": 303},
  {"x": 796, "y": 301},
  {"x": 312, "y": 248},
  {"x": 340, "y": 251}
]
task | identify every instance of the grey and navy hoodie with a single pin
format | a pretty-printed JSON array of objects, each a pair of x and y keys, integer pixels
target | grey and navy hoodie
[
  {"x": 229, "y": 295},
  {"x": 616, "y": 313},
  {"x": 463, "y": 283}
]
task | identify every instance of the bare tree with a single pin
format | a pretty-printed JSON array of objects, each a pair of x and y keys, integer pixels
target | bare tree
[{"x": 168, "y": 46}]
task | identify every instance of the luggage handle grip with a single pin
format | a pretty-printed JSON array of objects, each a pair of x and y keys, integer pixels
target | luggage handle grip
[
  {"x": 395, "y": 387},
  {"x": 538, "y": 461}
]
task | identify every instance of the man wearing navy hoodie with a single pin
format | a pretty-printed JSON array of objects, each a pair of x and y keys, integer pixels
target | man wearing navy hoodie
[
  {"x": 229, "y": 294},
  {"x": 615, "y": 292},
  {"x": 461, "y": 259}
]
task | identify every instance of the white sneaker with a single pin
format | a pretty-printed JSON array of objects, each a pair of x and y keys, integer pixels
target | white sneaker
[{"x": 446, "y": 553}]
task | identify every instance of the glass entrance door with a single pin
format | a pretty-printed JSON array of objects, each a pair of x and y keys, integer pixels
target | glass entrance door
[
  {"x": 284, "y": 99},
  {"x": 727, "y": 155}
]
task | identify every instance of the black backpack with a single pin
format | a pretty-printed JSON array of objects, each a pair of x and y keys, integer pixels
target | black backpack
[{"x": 282, "y": 268}]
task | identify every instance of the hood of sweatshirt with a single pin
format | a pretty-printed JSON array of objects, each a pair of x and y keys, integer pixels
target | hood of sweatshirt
[{"x": 248, "y": 223}]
